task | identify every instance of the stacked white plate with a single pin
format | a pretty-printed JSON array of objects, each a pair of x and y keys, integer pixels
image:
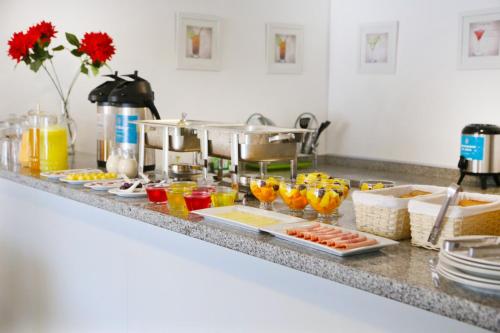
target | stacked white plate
[{"x": 457, "y": 266}]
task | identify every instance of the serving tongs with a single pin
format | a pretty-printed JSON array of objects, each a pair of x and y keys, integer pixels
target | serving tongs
[{"x": 451, "y": 197}]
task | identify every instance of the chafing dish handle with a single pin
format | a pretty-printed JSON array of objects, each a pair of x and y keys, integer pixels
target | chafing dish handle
[{"x": 282, "y": 137}]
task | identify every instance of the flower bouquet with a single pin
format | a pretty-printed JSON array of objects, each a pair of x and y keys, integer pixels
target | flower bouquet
[{"x": 33, "y": 47}]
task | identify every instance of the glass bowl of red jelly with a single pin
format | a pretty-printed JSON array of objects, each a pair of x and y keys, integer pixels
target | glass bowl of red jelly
[
  {"x": 197, "y": 200},
  {"x": 157, "y": 193}
]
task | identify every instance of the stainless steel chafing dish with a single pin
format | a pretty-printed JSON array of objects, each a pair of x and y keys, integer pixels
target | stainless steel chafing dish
[
  {"x": 251, "y": 143},
  {"x": 181, "y": 132},
  {"x": 257, "y": 143},
  {"x": 237, "y": 142}
]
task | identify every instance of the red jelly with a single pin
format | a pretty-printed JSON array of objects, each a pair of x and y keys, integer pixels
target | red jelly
[
  {"x": 156, "y": 194},
  {"x": 197, "y": 200}
]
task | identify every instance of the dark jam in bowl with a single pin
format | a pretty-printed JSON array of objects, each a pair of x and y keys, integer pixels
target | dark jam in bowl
[{"x": 156, "y": 194}]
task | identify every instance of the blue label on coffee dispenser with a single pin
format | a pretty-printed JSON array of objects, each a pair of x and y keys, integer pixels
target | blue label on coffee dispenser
[
  {"x": 472, "y": 147},
  {"x": 126, "y": 131}
]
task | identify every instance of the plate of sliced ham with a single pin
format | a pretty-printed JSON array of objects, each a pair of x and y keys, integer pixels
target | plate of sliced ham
[{"x": 332, "y": 239}]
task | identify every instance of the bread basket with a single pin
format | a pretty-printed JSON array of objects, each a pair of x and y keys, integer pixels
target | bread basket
[
  {"x": 383, "y": 213},
  {"x": 459, "y": 221}
]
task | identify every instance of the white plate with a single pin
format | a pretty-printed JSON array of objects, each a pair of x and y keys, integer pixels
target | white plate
[
  {"x": 104, "y": 185},
  {"x": 213, "y": 214},
  {"x": 466, "y": 282},
  {"x": 468, "y": 262},
  {"x": 470, "y": 268},
  {"x": 280, "y": 232},
  {"x": 137, "y": 193},
  {"x": 61, "y": 173},
  {"x": 466, "y": 273},
  {"x": 492, "y": 261}
]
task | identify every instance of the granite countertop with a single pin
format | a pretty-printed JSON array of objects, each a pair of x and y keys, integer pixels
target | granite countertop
[{"x": 401, "y": 273}]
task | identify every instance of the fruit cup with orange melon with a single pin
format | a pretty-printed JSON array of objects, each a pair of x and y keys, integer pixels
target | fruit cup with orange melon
[
  {"x": 266, "y": 189},
  {"x": 324, "y": 199},
  {"x": 294, "y": 196}
]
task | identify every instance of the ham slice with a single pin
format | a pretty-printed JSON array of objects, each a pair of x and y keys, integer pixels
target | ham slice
[
  {"x": 335, "y": 242},
  {"x": 304, "y": 234},
  {"x": 349, "y": 246},
  {"x": 294, "y": 231},
  {"x": 350, "y": 241},
  {"x": 317, "y": 237},
  {"x": 348, "y": 235}
]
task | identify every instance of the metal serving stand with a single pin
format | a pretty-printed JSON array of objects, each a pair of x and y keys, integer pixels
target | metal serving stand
[{"x": 235, "y": 142}]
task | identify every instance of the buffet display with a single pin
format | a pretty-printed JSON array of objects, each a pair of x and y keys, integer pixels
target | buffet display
[{"x": 382, "y": 215}]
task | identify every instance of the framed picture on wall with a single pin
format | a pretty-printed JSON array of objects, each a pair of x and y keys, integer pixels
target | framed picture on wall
[
  {"x": 479, "y": 39},
  {"x": 198, "y": 42},
  {"x": 378, "y": 48},
  {"x": 284, "y": 48}
]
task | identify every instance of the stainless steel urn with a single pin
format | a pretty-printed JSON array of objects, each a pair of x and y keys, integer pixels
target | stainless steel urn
[{"x": 480, "y": 153}]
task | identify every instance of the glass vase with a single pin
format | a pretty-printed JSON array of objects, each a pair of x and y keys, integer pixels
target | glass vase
[{"x": 70, "y": 124}]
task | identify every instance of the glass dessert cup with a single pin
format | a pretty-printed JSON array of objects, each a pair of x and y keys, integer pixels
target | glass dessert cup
[
  {"x": 325, "y": 200},
  {"x": 175, "y": 199},
  {"x": 266, "y": 190},
  {"x": 197, "y": 199},
  {"x": 223, "y": 196},
  {"x": 157, "y": 193},
  {"x": 294, "y": 196},
  {"x": 339, "y": 185}
]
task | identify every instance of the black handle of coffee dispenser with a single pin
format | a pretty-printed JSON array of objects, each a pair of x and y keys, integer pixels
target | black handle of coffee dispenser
[
  {"x": 462, "y": 163},
  {"x": 154, "y": 110}
]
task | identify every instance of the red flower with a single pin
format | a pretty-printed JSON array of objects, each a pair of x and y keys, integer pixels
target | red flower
[
  {"x": 98, "y": 46},
  {"x": 19, "y": 46},
  {"x": 43, "y": 31}
]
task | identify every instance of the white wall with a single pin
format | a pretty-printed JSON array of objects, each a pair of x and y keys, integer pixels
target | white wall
[
  {"x": 144, "y": 36},
  {"x": 416, "y": 115}
]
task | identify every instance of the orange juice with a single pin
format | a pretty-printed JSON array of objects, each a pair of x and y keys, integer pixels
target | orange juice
[
  {"x": 24, "y": 154},
  {"x": 53, "y": 148},
  {"x": 34, "y": 148}
]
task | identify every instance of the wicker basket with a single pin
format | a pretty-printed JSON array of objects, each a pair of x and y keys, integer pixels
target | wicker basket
[
  {"x": 459, "y": 221},
  {"x": 383, "y": 213}
]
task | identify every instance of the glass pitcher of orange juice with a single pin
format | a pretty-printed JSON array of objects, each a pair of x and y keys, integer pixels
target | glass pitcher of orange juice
[{"x": 53, "y": 142}]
